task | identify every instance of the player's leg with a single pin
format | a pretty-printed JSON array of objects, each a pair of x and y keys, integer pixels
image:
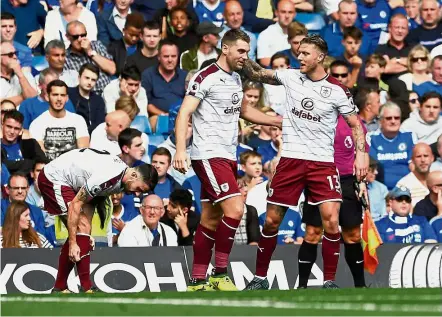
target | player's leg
[
  {"x": 84, "y": 243},
  {"x": 309, "y": 248},
  {"x": 284, "y": 191},
  {"x": 65, "y": 265},
  {"x": 203, "y": 243}
]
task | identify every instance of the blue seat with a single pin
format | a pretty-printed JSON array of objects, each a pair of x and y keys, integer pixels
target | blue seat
[
  {"x": 156, "y": 139},
  {"x": 162, "y": 125},
  {"x": 314, "y": 22},
  {"x": 142, "y": 124}
]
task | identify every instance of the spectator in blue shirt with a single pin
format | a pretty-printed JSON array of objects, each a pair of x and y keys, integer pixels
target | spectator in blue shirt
[
  {"x": 164, "y": 83},
  {"x": 390, "y": 147},
  {"x": 412, "y": 8},
  {"x": 110, "y": 22},
  {"x": 436, "y": 224},
  {"x": 33, "y": 107},
  {"x": 269, "y": 151},
  {"x": 161, "y": 160},
  {"x": 4, "y": 180},
  {"x": 9, "y": 29},
  {"x": 121, "y": 214},
  {"x": 296, "y": 33},
  {"x": 402, "y": 227},
  {"x": 377, "y": 192},
  {"x": 210, "y": 10},
  {"x": 30, "y": 17},
  {"x": 291, "y": 230}
]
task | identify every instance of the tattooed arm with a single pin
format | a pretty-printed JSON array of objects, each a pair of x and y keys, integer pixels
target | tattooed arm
[
  {"x": 361, "y": 163},
  {"x": 74, "y": 211},
  {"x": 256, "y": 73}
]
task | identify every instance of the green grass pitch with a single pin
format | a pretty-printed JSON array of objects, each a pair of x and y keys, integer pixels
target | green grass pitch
[{"x": 310, "y": 302}]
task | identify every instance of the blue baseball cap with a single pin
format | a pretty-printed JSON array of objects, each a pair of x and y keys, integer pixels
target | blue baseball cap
[{"x": 400, "y": 191}]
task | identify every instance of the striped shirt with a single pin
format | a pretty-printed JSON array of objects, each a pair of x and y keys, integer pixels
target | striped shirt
[
  {"x": 45, "y": 244},
  {"x": 215, "y": 121},
  {"x": 311, "y": 114}
]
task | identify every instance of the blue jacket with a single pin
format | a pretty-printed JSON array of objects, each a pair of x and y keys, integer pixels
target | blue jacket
[
  {"x": 107, "y": 29},
  {"x": 436, "y": 224}
]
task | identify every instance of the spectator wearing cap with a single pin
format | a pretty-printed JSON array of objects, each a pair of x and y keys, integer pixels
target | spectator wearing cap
[
  {"x": 210, "y": 11},
  {"x": 416, "y": 180},
  {"x": 429, "y": 32},
  {"x": 396, "y": 50},
  {"x": 128, "y": 84},
  {"x": 274, "y": 38},
  {"x": 58, "y": 18},
  {"x": 401, "y": 226},
  {"x": 122, "y": 48},
  {"x": 15, "y": 84},
  {"x": 368, "y": 102},
  {"x": 233, "y": 19},
  {"x": 391, "y": 148},
  {"x": 181, "y": 217},
  {"x": 111, "y": 21},
  {"x": 164, "y": 84},
  {"x": 146, "y": 230},
  {"x": 8, "y": 31},
  {"x": 377, "y": 192},
  {"x": 431, "y": 205},
  {"x": 83, "y": 51},
  {"x": 183, "y": 36},
  {"x": 18, "y": 154},
  {"x": 426, "y": 125},
  {"x": 205, "y": 50}
]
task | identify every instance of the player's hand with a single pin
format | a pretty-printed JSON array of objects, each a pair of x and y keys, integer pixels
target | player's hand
[
  {"x": 289, "y": 240},
  {"x": 118, "y": 224},
  {"x": 35, "y": 38},
  {"x": 363, "y": 192},
  {"x": 74, "y": 252},
  {"x": 181, "y": 162},
  {"x": 360, "y": 166},
  {"x": 181, "y": 219}
]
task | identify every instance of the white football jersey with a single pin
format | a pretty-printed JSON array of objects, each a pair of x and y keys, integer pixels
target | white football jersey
[
  {"x": 99, "y": 171},
  {"x": 311, "y": 115},
  {"x": 215, "y": 121}
]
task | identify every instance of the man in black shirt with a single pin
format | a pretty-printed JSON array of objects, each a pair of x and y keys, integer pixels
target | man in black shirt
[
  {"x": 431, "y": 205},
  {"x": 147, "y": 56}
]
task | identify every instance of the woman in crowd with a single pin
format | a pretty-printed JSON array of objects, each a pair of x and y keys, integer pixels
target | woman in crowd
[
  {"x": 254, "y": 96},
  {"x": 17, "y": 231},
  {"x": 418, "y": 67}
]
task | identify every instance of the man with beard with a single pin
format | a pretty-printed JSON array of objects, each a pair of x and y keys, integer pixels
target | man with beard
[{"x": 72, "y": 186}]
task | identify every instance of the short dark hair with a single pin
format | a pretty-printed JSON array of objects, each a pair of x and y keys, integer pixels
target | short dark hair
[
  {"x": 8, "y": 16},
  {"x": 427, "y": 96},
  {"x": 181, "y": 197},
  {"x": 56, "y": 83},
  {"x": 361, "y": 96},
  {"x": 152, "y": 25},
  {"x": 15, "y": 115},
  {"x": 352, "y": 32},
  {"x": 166, "y": 42},
  {"x": 91, "y": 67},
  {"x": 279, "y": 55},
  {"x": 126, "y": 136},
  {"x": 131, "y": 72},
  {"x": 178, "y": 8},
  {"x": 376, "y": 59},
  {"x": 17, "y": 174},
  {"x": 232, "y": 36},
  {"x": 317, "y": 41},
  {"x": 436, "y": 58},
  {"x": 149, "y": 175},
  {"x": 338, "y": 63},
  {"x": 135, "y": 20},
  {"x": 163, "y": 151}
]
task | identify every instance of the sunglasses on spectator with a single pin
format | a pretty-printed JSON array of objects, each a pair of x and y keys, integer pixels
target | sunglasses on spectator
[
  {"x": 414, "y": 100},
  {"x": 403, "y": 198},
  {"x": 10, "y": 54},
  {"x": 391, "y": 118},
  {"x": 343, "y": 75},
  {"x": 416, "y": 59},
  {"x": 77, "y": 36}
]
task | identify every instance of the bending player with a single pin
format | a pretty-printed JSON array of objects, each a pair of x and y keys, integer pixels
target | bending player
[
  {"x": 214, "y": 99},
  {"x": 314, "y": 101},
  {"x": 72, "y": 186}
]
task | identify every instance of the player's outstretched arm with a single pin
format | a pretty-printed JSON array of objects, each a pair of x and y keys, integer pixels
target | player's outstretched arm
[
  {"x": 361, "y": 162},
  {"x": 180, "y": 161},
  {"x": 74, "y": 211},
  {"x": 256, "y": 73},
  {"x": 255, "y": 116}
]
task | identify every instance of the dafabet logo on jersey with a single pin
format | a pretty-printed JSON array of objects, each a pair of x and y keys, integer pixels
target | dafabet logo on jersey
[
  {"x": 232, "y": 110},
  {"x": 308, "y": 105}
]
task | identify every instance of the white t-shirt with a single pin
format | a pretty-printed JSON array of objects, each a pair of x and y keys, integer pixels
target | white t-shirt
[
  {"x": 205, "y": 57},
  {"x": 311, "y": 115},
  {"x": 215, "y": 121},
  {"x": 11, "y": 88},
  {"x": 275, "y": 97},
  {"x": 112, "y": 92},
  {"x": 59, "y": 135},
  {"x": 100, "y": 172},
  {"x": 417, "y": 189},
  {"x": 272, "y": 40}
]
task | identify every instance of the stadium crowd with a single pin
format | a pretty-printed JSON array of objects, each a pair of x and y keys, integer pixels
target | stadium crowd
[{"x": 111, "y": 75}]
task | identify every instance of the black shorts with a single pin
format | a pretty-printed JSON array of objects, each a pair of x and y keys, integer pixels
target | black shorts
[{"x": 350, "y": 214}]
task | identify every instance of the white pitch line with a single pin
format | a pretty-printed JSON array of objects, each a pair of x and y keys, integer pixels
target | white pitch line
[{"x": 347, "y": 306}]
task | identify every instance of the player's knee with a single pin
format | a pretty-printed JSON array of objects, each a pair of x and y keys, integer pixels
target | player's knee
[
  {"x": 330, "y": 225},
  {"x": 313, "y": 234},
  {"x": 351, "y": 235}
]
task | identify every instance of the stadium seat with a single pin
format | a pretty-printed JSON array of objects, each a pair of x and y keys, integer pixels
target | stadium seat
[
  {"x": 314, "y": 22},
  {"x": 162, "y": 125},
  {"x": 142, "y": 124},
  {"x": 156, "y": 139}
]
